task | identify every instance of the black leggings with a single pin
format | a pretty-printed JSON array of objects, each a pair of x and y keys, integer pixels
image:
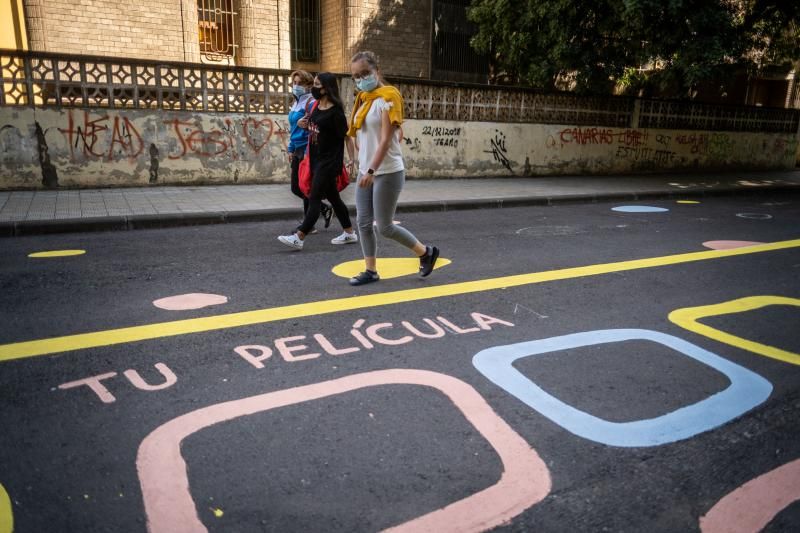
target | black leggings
[{"x": 324, "y": 186}]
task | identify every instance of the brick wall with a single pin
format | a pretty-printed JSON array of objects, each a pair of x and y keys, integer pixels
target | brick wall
[
  {"x": 145, "y": 29},
  {"x": 156, "y": 29},
  {"x": 332, "y": 36},
  {"x": 399, "y": 32},
  {"x": 272, "y": 48}
]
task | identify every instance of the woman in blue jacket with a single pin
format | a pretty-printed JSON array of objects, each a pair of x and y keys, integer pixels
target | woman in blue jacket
[{"x": 302, "y": 82}]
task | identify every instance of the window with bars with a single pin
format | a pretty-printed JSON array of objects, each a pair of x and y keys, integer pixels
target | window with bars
[
  {"x": 216, "y": 20},
  {"x": 305, "y": 30},
  {"x": 453, "y": 58}
]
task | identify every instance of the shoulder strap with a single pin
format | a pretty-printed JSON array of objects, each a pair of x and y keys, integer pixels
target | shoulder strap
[{"x": 313, "y": 106}]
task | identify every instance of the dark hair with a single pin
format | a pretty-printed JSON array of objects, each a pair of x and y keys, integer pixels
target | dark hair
[{"x": 328, "y": 82}]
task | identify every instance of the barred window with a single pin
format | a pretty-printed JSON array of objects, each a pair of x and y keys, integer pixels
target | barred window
[
  {"x": 453, "y": 58},
  {"x": 305, "y": 21},
  {"x": 216, "y": 20}
]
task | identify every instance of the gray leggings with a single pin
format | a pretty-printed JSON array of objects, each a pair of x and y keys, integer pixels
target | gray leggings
[{"x": 378, "y": 202}]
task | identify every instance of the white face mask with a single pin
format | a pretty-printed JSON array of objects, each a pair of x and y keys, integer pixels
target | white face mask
[{"x": 367, "y": 83}]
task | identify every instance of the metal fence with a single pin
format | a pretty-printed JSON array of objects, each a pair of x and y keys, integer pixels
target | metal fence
[
  {"x": 452, "y": 57},
  {"x": 57, "y": 80}
]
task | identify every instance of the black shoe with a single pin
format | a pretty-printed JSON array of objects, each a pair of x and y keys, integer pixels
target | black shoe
[
  {"x": 428, "y": 261},
  {"x": 364, "y": 278},
  {"x": 327, "y": 214}
]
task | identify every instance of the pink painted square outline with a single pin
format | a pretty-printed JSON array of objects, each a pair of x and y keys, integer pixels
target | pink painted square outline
[{"x": 525, "y": 481}]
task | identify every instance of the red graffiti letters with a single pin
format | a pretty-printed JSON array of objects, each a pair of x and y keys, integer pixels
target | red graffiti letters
[
  {"x": 196, "y": 141},
  {"x": 257, "y": 132},
  {"x": 632, "y": 138},
  {"x": 91, "y": 137}
]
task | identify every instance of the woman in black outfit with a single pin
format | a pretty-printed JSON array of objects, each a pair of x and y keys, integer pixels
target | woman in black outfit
[{"x": 327, "y": 127}]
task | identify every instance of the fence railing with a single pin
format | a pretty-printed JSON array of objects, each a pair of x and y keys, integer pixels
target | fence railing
[{"x": 58, "y": 80}]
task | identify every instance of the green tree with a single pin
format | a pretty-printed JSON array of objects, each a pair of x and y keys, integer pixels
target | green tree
[{"x": 598, "y": 44}]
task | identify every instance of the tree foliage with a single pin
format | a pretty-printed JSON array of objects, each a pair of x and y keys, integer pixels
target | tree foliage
[{"x": 599, "y": 44}]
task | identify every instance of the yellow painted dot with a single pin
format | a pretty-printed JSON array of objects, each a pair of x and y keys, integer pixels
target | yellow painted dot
[
  {"x": 217, "y": 512},
  {"x": 688, "y": 202},
  {"x": 388, "y": 267},
  {"x": 6, "y": 517},
  {"x": 57, "y": 253}
]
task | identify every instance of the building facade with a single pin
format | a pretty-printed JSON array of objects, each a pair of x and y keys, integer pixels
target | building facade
[
  {"x": 427, "y": 39},
  {"x": 413, "y": 38}
]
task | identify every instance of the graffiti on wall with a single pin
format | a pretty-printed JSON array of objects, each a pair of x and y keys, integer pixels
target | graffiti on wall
[
  {"x": 435, "y": 136},
  {"x": 114, "y": 138},
  {"x": 498, "y": 149},
  {"x": 641, "y": 147},
  {"x": 99, "y": 136}
]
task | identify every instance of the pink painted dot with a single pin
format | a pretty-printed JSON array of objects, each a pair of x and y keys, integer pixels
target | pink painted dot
[
  {"x": 729, "y": 245},
  {"x": 195, "y": 300}
]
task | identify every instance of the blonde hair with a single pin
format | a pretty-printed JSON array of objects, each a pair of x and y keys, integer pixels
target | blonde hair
[{"x": 306, "y": 79}]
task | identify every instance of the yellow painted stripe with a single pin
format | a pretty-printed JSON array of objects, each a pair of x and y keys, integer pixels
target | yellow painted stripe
[
  {"x": 67, "y": 343},
  {"x": 688, "y": 318},
  {"x": 57, "y": 253},
  {"x": 6, "y": 517}
]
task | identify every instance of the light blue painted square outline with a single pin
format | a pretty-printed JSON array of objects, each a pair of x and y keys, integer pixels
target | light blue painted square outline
[{"x": 746, "y": 391}]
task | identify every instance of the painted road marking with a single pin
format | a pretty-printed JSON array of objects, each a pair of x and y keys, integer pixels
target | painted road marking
[
  {"x": 56, "y": 253},
  {"x": 6, "y": 516},
  {"x": 728, "y": 245},
  {"x": 687, "y": 202},
  {"x": 388, "y": 267},
  {"x": 746, "y": 391},
  {"x": 688, "y": 317},
  {"x": 751, "y": 507},
  {"x": 754, "y": 216},
  {"x": 639, "y": 209},
  {"x": 20, "y": 350},
  {"x": 525, "y": 480},
  {"x": 194, "y": 300}
]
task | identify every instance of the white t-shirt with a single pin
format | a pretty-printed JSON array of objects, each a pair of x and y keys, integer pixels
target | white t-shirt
[{"x": 369, "y": 137}]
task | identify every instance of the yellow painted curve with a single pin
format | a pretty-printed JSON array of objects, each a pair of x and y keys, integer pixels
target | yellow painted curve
[
  {"x": 56, "y": 253},
  {"x": 688, "y": 317},
  {"x": 388, "y": 267},
  {"x": 6, "y": 516},
  {"x": 20, "y": 350}
]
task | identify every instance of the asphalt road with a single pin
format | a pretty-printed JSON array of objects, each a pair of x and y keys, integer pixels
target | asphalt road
[{"x": 381, "y": 413}]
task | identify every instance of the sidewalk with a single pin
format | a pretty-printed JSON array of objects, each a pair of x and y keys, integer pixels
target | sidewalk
[{"x": 38, "y": 212}]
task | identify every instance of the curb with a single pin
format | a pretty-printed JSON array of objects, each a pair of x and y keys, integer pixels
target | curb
[{"x": 171, "y": 220}]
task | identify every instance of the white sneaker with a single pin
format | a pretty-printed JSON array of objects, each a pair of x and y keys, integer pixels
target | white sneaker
[
  {"x": 345, "y": 238},
  {"x": 292, "y": 241}
]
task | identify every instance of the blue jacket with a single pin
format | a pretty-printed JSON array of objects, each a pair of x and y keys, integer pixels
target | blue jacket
[{"x": 298, "y": 137}]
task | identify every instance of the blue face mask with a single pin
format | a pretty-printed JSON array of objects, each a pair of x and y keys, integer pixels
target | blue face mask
[
  {"x": 367, "y": 83},
  {"x": 298, "y": 90}
]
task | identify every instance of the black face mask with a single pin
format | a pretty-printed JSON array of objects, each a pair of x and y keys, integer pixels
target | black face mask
[{"x": 316, "y": 92}]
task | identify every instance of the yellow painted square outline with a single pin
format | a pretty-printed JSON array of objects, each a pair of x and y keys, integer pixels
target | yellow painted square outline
[{"x": 688, "y": 317}]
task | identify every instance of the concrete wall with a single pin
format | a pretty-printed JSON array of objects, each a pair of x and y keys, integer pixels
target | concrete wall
[{"x": 108, "y": 148}]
